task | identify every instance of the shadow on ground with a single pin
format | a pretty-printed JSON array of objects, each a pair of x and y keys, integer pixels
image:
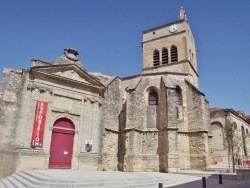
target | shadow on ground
[{"x": 228, "y": 181}]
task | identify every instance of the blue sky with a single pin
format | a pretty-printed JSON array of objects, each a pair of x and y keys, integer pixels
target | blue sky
[{"x": 107, "y": 35}]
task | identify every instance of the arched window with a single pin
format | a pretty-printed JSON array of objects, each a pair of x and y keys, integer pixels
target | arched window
[
  {"x": 178, "y": 96},
  {"x": 178, "y": 102},
  {"x": 153, "y": 98},
  {"x": 242, "y": 130},
  {"x": 217, "y": 132},
  {"x": 247, "y": 131},
  {"x": 174, "y": 54},
  {"x": 235, "y": 126},
  {"x": 156, "y": 58},
  {"x": 164, "y": 55}
]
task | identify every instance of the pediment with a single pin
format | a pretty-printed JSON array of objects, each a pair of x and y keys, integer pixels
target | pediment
[{"x": 70, "y": 72}]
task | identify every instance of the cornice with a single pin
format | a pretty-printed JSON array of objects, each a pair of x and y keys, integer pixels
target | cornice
[
  {"x": 65, "y": 81},
  {"x": 162, "y": 37},
  {"x": 162, "y": 26},
  {"x": 155, "y": 73}
]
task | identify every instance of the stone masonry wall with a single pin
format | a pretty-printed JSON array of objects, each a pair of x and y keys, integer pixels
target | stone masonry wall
[
  {"x": 150, "y": 151},
  {"x": 12, "y": 85},
  {"x": 199, "y": 150},
  {"x": 194, "y": 110},
  {"x": 10, "y": 94},
  {"x": 172, "y": 135},
  {"x": 183, "y": 150},
  {"x": 167, "y": 42},
  {"x": 141, "y": 140},
  {"x": 208, "y": 123},
  {"x": 142, "y": 149},
  {"x": 111, "y": 113},
  {"x": 198, "y": 128},
  {"x": 8, "y": 162}
]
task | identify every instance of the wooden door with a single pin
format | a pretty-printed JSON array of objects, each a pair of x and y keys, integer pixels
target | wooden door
[{"x": 61, "y": 147}]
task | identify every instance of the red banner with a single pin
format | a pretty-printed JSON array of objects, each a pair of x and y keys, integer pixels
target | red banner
[{"x": 39, "y": 124}]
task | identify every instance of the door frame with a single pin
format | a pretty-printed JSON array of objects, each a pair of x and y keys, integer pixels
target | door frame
[{"x": 62, "y": 130}]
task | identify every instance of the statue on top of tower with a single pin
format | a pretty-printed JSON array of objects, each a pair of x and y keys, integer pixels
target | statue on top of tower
[{"x": 183, "y": 14}]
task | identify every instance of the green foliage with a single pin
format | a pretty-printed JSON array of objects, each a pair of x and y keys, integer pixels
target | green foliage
[
  {"x": 233, "y": 138},
  {"x": 234, "y": 141}
]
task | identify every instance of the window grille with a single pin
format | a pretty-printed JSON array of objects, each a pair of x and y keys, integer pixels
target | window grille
[
  {"x": 164, "y": 56},
  {"x": 174, "y": 54},
  {"x": 156, "y": 58}
]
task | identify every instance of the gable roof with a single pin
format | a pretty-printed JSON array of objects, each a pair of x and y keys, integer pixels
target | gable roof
[{"x": 67, "y": 73}]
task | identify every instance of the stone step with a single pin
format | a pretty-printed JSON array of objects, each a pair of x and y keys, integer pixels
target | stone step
[
  {"x": 224, "y": 170},
  {"x": 133, "y": 186},
  {"x": 224, "y": 166},
  {"x": 15, "y": 182},
  {"x": 7, "y": 183},
  {"x": 39, "y": 177},
  {"x": 221, "y": 167},
  {"x": 93, "y": 180},
  {"x": 24, "y": 182},
  {"x": 210, "y": 175},
  {"x": 1, "y": 184},
  {"x": 147, "y": 185},
  {"x": 29, "y": 179}
]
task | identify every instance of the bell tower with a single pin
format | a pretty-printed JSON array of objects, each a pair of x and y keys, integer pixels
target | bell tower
[{"x": 170, "y": 49}]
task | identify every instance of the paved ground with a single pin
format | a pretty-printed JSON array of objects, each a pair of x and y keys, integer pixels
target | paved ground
[
  {"x": 193, "y": 179},
  {"x": 212, "y": 181},
  {"x": 184, "y": 179}
]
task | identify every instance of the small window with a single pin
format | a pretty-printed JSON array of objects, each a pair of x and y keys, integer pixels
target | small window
[
  {"x": 174, "y": 54},
  {"x": 164, "y": 56},
  {"x": 235, "y": 126},
  {"x": 156, "y": 58},
  {"x": 242, "y": 129},
  {"x": 178, "y": 96},
  {"x": 153, "y": 98}
]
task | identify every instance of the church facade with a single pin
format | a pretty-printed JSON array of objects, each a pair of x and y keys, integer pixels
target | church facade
[
  {"x": 230, "y": 131},
  {"x": 58, "y": 115}
]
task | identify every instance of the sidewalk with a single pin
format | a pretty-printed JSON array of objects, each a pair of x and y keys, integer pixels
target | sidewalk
[{"x": 212, "y": 180}]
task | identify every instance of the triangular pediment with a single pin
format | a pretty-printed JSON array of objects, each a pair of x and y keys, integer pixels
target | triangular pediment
[{"x": 69, "y": 72}]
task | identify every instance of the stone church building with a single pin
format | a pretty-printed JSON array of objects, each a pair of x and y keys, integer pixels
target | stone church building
[
  {"x": 58, "y": 115},
  {"x": 222, "y": 149}
]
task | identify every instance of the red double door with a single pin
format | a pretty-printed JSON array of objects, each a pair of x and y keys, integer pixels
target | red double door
[{"x": 61, "y": 148}]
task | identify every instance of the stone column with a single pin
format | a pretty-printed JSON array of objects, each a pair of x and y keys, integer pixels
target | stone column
[
  {"x": 173, "y": 155},
  {"x": 172, "y": 135},
  {"x": 132, "y": 162}
]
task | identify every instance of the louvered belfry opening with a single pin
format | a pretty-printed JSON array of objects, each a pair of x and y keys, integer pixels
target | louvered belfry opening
[
  {"x": 156, "y": 58},
  {"x": 174, "y": 54},
  {"x": 164, "y": 56}
]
